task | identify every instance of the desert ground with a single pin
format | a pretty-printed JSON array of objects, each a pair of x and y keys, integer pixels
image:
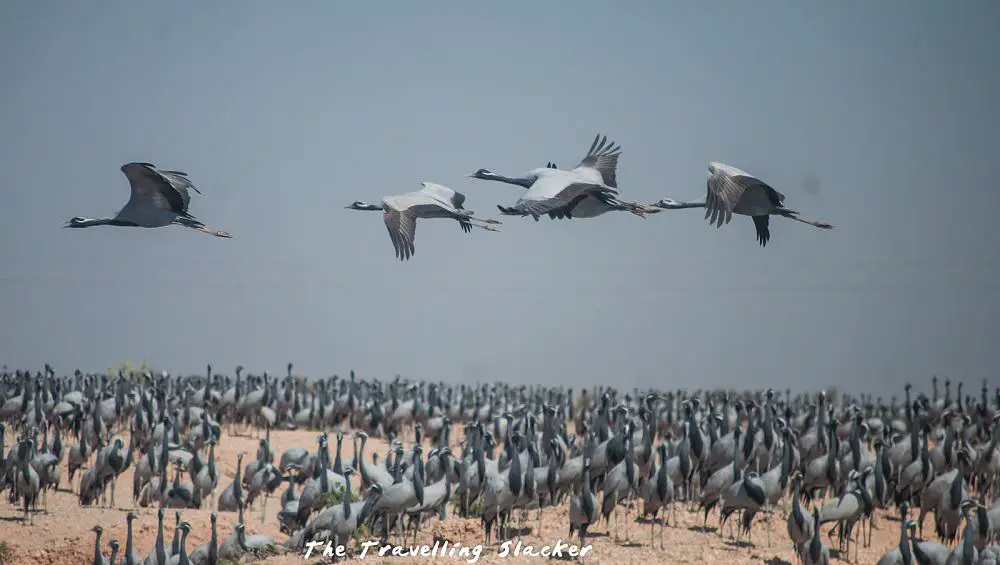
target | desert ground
[{"x": 62, "y": 534}]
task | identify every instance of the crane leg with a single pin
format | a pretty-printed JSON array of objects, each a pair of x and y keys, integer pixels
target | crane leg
[
  {"x": 662, "y": 523},
  {"x": 651, "y": 523},
  {"x": 628, "y": 514},
  {"x": 769, "y": 529},
  {"x": 859, "y": 531},
  {"x": 538, "y": 526}
]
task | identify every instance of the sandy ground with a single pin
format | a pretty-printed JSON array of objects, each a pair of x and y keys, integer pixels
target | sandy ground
[{"x": 61, "y": 533}]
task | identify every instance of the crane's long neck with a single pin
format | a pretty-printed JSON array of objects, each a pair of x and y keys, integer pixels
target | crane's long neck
[
  {"x": 158, "y": 546},
  {"x": 680, "y": 204},
  {"x": 522, "y": 182},
  {"x": 128, "y": 540},
  {"x": 87, "y": 222}
]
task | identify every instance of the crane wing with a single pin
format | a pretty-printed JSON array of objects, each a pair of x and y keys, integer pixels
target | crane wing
[
  {"x": 549, "y": 183},
  {"x": 724, "y": 192},
  {"x": 402, "y": 230},
  {"x": 602, "y": 158},
  {"x": 443, "y": 194},
  {"x": 571, "y": 194},
  {"x": 164, "y": 189},
  {"x": 728, "y": 185}
]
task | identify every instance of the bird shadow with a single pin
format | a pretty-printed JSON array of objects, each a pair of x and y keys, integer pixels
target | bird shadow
[
  {"x": 629, "y": 544},
  {"x": 11, "y": 518},
  {"x": 741, "y": 544},
  {"x": 644, "y": 520},
  {"x": 703, "y": 529},
  {"x": 777, "y": 561}
]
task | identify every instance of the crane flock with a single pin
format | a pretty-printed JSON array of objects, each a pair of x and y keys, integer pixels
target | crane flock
[
  {"x": 597, "y": 459},
  {"x": 160, "y": 198}
]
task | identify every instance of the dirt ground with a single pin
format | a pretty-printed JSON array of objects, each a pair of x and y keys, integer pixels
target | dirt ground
[{"x": 61, "y": 534}]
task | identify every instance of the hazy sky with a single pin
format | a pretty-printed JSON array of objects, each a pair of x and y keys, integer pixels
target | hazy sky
[{"x": 880, "y": 117}]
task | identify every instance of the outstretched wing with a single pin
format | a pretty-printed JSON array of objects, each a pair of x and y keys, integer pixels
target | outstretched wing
[
  {"x": 164, "y": 189},
  {"x": 724, "y": 192},
  {"x": 443, "y": 194},
  {"x": 728, "y": 185},
  {"x": 564, "y": 200},
  {"x": 602, "y": 157},
  {"x": 402, "y": 231}
]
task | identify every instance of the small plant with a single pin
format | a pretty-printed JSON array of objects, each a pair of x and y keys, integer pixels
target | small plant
[
  {"x": 6, "y": 554},
  {"x": 362, "y": 534},
  {"x": 334, "y": 497},
  {"x": 128, "y": 370},
  {"x": 475, "y": 507}
]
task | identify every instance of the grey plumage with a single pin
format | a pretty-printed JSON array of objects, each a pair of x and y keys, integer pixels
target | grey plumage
[
  {"x": 98, "y": 556},
  {"x": 583, "y": 509},
  {"x": 733, "y": 191},
  {"x": 401, "y": 212},
  {"x": 598, "y": 167},
  {"x": 159, "y": 554},
  {"x": 800, "y": 524},
  {"x": 158, "y": 198},
  {"x": 815, "y": 551}
]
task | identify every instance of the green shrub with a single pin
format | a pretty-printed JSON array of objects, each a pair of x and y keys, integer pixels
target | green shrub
[
  {"x": 129, "y": 370},
  {"x": 6, "y": 554},
  {"x": 334, "y": 497}
]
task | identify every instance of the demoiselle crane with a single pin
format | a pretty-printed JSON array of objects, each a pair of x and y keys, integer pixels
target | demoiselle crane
[
  {"x": 400, "y": 214},
  {"x": 98, "y": 556},
  {"x": 598, "y": 167},
  {"x": 733, "y": 191},
  {"x": 159, "y": 198}
]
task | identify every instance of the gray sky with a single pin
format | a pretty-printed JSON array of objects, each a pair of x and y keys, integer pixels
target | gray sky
[{"x": 282, "y": 113}]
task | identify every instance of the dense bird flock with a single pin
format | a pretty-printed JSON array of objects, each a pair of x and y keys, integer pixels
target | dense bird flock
[
  {"x": 160, "y": 198},
  {"x": 500, "y": 452}
]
